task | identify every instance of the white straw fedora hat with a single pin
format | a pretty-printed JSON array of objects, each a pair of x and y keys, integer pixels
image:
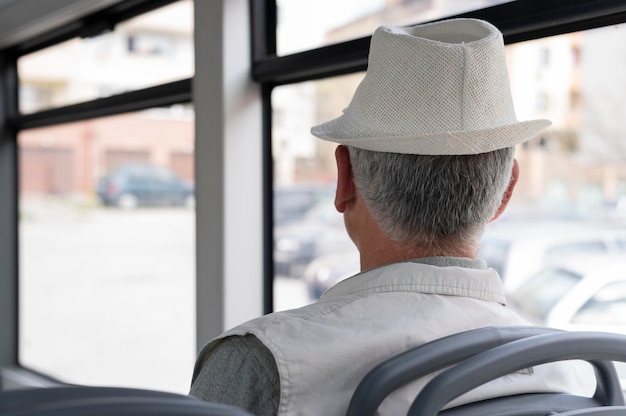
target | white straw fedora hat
[{"x": 434, "y": 89}]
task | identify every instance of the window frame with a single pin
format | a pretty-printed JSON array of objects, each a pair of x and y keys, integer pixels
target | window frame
[
  {"x": 12, "y": 122},
  {"x": 519, "y": 20}
]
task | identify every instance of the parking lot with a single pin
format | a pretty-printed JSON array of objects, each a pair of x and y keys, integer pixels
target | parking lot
[{"x": 108, "y": 295}]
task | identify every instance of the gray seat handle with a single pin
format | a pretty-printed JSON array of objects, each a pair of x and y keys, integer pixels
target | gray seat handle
[
  {"x": 594, "y": 347},
  {"x": 597, "y": 411}
]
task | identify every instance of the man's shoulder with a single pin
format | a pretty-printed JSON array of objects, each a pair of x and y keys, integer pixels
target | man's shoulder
[{"x": 231, "y": 372}]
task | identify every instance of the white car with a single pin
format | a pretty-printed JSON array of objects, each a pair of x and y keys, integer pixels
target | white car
[
  {"x": 518, "y": 249},
  {"x": 584, "y": 293}
]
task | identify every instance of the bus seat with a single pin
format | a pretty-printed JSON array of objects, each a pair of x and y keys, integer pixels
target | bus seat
[
  {"x": 106, "y": 401},
  {"x": 600, "y": 349},
  {"x": 454, "y": 350}
]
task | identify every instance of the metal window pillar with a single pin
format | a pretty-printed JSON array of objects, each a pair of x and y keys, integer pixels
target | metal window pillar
[{"x": 8, "y": 215}]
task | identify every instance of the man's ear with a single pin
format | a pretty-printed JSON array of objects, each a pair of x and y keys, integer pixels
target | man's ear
[
  {"x": 345, "y": 182},
  {"x": 509, "y": 190}
]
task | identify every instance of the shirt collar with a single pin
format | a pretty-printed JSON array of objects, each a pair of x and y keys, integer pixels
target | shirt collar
[
  {"x": 444, "y": 261},
  {"x": 451, "y": 276}
]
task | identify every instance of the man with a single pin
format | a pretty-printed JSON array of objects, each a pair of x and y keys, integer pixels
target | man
[{"x": 425, "y": 161}]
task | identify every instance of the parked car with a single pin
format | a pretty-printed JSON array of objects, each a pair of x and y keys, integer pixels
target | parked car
[
  {"x": 580, "y": 293},
  {"x": 518, "y": 249},
  {"x": 291, "y": 202},
  {"x": 319, "y": 232},
  {"x": 133, "y": 185},
  {"x": 328, "y": 270},
  {"x": 576, "y": 292}
]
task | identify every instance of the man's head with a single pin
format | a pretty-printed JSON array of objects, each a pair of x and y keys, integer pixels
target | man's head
[{"x": 429, "y": 137}]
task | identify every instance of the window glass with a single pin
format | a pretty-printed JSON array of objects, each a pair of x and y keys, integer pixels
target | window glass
[
  {"x": 570, "y": 198},
  {"x": 308, "y": 25},
  {"x": 107, "y": 266},
  {"x": 151, "y": 49},
  {"x": 312, "y": 251}
]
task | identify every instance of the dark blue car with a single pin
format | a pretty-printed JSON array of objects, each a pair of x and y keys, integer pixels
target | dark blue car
[{"x": 136, "y": 185}]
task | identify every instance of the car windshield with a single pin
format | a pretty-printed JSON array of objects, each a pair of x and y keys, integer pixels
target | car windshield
[
  {"x": 292, "y": 202},
  {"x": 606, "y": 307},
  {"x": 540, "y": 293},
  {"x": 495, "y": 252}
]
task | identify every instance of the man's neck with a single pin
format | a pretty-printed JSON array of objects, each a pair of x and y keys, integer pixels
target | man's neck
[
  {"x": 375, "y": 252},
  {"x": 377, "y": 249}
]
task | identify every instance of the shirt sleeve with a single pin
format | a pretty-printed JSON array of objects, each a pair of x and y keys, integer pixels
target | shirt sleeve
[{"x": 242, "y": 372}]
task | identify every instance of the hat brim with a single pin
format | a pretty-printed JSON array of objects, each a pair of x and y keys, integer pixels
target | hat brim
[{"x": 441, "y": 143}]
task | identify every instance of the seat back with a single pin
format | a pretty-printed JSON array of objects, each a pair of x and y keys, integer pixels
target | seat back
[
  {"x": 454, "y": 349},
  {"x": 106, "y": 401},
  {"x": 600, "y": 349}
]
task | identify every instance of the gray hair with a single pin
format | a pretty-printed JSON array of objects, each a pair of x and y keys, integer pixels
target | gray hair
[{"x": 440, "y": 201}]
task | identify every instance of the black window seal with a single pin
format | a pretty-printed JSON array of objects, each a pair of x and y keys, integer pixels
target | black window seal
[
  {"x": 263, "y": 21},
  {"x": 519, "y": 20},
  {"x": 88, "y": 26},
  {"x": 176, "y": 92}
]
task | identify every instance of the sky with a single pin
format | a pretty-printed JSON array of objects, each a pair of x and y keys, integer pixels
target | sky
[{"x": 308, "y": 21}]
